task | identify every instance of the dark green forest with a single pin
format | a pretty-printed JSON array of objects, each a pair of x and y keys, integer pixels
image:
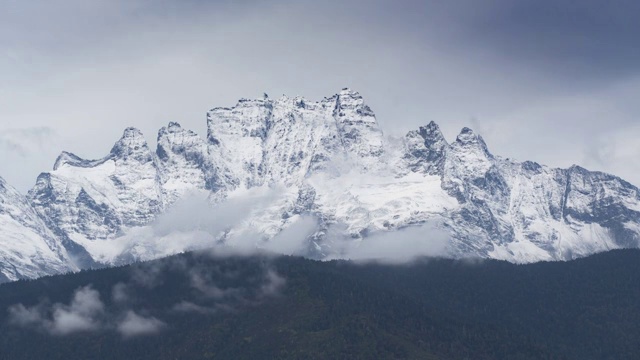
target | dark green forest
[{"x": 293, "y": 308}]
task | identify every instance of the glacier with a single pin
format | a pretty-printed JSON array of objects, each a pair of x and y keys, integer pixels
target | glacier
[{"x": 286, "y": 160}]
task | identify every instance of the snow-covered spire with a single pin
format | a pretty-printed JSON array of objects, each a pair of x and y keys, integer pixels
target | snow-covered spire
[
  {"x": 467, "y": 136},
  {"x": 432, "y": 135},
  {"x": 132, "y": 145},
  {"x": 173, "y": 139},
  {"x": 348, "y": 92},
  {"x": 174, "y": 127},
  {"x": 426, "y": 148},
  {"x": 357, "y": 125},
  {"x": 183, "y": 161},
  {"x": 469, "y": 139}
]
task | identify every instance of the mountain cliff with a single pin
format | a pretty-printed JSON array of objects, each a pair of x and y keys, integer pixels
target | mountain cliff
[
  {"x": 328, "y": 161},
  {"x": 28, "y": 248}
]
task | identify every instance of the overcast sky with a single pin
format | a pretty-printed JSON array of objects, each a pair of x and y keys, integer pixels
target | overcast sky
[{"x": 552, "y": 81}]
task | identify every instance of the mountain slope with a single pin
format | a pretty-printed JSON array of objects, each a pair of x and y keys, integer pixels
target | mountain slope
[
  {"x": 526, "y": 210},
  {"x": 329, "y": 161},
  {"x": 28, "y": 249},
  {"x": 211, "y": 307}
]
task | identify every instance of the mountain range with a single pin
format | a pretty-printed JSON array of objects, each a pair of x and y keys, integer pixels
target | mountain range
[{"x": 312, "y": 178}]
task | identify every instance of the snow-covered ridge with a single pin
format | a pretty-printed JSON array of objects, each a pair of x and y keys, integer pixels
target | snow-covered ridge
[
  {"x": 28, "y": 249},
  {"x": 329, "y": 162}
]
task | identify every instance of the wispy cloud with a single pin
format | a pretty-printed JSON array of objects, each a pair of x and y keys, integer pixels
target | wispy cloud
[
  {"x": 212, "y": 287},
  {"x": 135, "y": 325},
  {"x": 83, "y": 314}
]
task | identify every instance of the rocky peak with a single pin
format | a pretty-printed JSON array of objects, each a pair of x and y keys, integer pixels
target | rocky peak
[
  {"x": 174, "y": 133},
  {"x": 249, "y": 118},
  {"x": 173, "y": 139},
  {"x": 132, "y": 145},
  {"x": 469, "y": 137},
  {"x": 472, "y": 143},
  {"x": 346, "y": 93},
  {"x": 174, "y": 127},
  {"x": 350, "y": 107},
  {"x": 358, "y": 128},
  {"x": 432, "y": 135},
  {"x": 426, "y": 149}
]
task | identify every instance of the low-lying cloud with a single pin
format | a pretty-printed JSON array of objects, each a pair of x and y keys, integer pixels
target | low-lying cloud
[
  {"x": 83, "y": 314},
  {"x": 135, "y": 325},
  {"x": 253, "y": 224},
  {"x": 393, "y": 247},
  {"x": 197, "y": 222},
  {"x": 205, "y": 285}
]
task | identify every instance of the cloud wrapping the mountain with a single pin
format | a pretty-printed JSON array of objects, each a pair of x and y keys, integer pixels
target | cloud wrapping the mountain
[
  {"x": 194, "y": 223},
  {"x": 393, "y": 247}
]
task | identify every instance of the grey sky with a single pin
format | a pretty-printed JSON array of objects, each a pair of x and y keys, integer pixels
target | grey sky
[{"x": 550, "y": 81}]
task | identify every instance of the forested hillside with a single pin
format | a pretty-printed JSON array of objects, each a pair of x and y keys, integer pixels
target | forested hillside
[{"x": 195, "y": 306}]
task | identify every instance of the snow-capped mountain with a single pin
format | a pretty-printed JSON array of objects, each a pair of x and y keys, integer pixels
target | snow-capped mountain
[
  {"x": 28, "y": 249},
  {"x": 329, "y": 161}
]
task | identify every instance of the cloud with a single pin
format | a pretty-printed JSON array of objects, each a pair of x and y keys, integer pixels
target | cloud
[
  {"x": 25, "y": 316},
  {"x": 82, "y": 314},
  {"x": 274, "y": 283},
  {"x": 85, "y": 313},
  {"x": 186, "y": 306},
  {"x": 136, "y": 325},
  {"x": 214, "y": 288},
  {"x": 251, "y": 223},
  {"x": 194, "y": 223},
  {"x": 616, "y": 148},
  {"x": 119, "y": 293},
  {"x": 201, "y": 281},
  {"x": 293, "y": 240},
  {"x": 393, "y": 247}
]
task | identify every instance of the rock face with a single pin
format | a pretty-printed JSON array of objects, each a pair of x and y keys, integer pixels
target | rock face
[
  {"x": 329, "y": 160},
  {"x": 28, "y": 249}
]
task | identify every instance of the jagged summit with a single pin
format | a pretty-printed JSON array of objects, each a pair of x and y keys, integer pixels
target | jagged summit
[
  {"x": 330, "y": 161},
  {"x": 132, "y": 145},
  {"x": 469, "y": 137},
  {"x": 174, "y": 126},
  {"x": 432, "y": 135}
]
